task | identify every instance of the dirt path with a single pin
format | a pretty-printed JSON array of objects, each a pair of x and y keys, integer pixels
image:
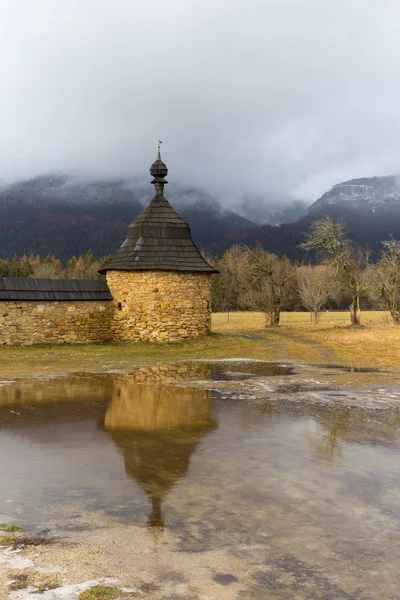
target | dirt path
[{"x": 284, "y": 347}]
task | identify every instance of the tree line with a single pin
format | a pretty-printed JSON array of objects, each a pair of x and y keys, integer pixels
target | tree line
[
  {"x": 343, "y": 275},
  {"x": 339, "y": 274},
  {"x": 83, "y": 267}
]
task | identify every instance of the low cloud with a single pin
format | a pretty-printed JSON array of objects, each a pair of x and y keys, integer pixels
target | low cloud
[{"x": 268, "y": 98}]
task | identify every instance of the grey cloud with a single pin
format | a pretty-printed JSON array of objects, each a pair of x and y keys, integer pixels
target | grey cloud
[{"x": 269, "y": 98}]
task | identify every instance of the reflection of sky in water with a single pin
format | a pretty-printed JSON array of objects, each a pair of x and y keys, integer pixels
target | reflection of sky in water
[{"x": 318, "y": 483}]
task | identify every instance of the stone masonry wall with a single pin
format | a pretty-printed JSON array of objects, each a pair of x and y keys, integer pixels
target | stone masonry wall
[
  {"x": 159, "y": 306},
  {"x": 26, "y": 323}
]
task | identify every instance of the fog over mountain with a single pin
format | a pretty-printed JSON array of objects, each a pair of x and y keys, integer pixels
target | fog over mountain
[
  {"x": 58, "y": 215},
  {"x": 62, "y": 216},
  {"x": 267, "y": 99}
]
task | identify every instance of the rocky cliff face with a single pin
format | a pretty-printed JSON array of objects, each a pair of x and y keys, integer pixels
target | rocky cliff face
[{"x": 371, "y": 194}]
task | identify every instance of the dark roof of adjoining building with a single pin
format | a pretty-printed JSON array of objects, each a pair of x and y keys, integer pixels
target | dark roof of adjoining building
[
  {"x": 29, "y": 288},
  {"x": 159, "y": 239}
]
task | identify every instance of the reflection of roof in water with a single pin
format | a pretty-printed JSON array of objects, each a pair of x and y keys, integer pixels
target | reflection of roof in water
[
  {"x": 157, "y": 429},
  {"x": 157, "y": 461}
]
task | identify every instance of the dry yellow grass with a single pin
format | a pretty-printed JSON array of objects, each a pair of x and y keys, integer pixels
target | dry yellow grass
[
  {"x": 16, "y": 361},
  {"x": 237, "y": 319},
  {"x": 375, "y": 344}
]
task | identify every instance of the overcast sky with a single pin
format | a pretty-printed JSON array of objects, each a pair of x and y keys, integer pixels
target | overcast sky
[{"x": 270, "y": 97}]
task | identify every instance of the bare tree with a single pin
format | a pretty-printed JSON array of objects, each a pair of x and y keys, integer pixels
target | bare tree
[
  {"x": 315, "y": 286},
  {"x": 226, "y": 286},
  {"x": 383, "y": 280},
  {"x": 266, "y": 284},
  {"x": 328, "y": 240}
]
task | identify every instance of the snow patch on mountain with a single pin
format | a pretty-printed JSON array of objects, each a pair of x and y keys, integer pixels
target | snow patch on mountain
[{"x": 372, "y": 194}]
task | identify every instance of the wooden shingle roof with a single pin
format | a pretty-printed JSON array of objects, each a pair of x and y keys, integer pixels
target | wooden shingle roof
[
  {"x": 29, "y": 288},
  {"x": 159, "y": 239}
]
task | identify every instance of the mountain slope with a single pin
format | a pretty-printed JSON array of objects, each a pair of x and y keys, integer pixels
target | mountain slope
[
  {"x": 274, "y": 211},
  {"x": 369, "y": 207},
  {"x": 371, "y": 194},
  {"x": 55, "y": 215}
]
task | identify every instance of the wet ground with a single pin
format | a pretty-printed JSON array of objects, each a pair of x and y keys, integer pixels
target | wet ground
[{"x": 208, "y": 480}]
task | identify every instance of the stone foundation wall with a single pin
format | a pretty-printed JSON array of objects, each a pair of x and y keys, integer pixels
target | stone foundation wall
[
  {"x": 159, "y": 306},
  {"x": 26, "y": 323}
]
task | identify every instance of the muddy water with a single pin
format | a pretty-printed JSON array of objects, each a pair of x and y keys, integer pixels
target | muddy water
[{"x": 306, "y": 495}]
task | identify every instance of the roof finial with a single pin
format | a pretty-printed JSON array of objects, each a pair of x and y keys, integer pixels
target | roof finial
[{"x": 159, "y": 171}]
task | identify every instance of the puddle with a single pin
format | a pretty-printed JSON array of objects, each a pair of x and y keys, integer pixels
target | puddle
[
  {"x": 232, "y": 370},
  {"x": 247, "y": 370},
  {"x": 305, "y": 497}
]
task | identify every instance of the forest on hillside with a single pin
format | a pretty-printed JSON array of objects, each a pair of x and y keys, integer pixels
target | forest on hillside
[
  {"x": 61, "y": 224},
  {"x": 46, "y": 216}
]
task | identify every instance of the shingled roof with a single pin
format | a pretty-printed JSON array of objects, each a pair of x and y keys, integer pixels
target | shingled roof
[
  {"x": 158, "y": 239},
  {"x": 28, "y": 288}
]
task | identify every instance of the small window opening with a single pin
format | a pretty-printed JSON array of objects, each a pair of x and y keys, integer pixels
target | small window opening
[{"x": 119, "y": 305}]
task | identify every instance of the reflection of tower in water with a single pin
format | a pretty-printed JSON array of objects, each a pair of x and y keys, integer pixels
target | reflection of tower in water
[{"x": 157, "y": 428}]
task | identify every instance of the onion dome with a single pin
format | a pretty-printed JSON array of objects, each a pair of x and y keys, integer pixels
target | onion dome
[{"x": 159, "y": 171}]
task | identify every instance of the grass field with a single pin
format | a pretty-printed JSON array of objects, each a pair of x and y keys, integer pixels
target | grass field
[
  {"x": 301, "y": 318},
  {"x": 375, "y": 344},
  {"x": 43, "y": 360}
]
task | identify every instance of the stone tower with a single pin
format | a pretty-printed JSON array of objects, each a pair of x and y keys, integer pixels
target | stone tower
[{"x": 159, "y": 281}]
